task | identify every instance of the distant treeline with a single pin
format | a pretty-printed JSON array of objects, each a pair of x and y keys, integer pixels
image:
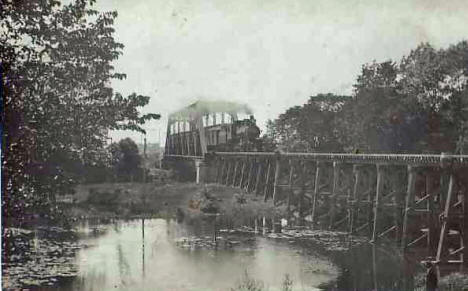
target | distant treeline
[{"x": 416, "y": 105}]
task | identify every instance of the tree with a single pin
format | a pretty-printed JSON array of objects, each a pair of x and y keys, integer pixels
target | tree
[
  {"x": 311, "y": 127},
  {"x": 268, "y": 141},
  {"x": 56, "y": 69},
  {"x": 437, "y": 80},
  {"x": 126, "y": 161},
  {"x": 380, "y": 118},
  {"x": 455, "y": 110},
  {"x": 419, "y": 104}
]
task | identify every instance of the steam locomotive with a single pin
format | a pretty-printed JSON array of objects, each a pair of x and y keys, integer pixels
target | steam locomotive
[
  {"x": 239, "y": 135},
  {"x": 209, "y": 127}
]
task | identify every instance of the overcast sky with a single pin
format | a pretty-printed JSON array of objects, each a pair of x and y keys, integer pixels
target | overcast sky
[{"x": 269, "y": 54}]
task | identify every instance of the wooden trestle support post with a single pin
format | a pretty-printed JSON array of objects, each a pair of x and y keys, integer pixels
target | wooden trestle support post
[
  {"x": 244, "y": 164},
  {"x": 276, "y": 184},
  {"x": 266, "y": 188},
  {"x": 403, "y": 198},
  {"x": 258, "y": 177}
]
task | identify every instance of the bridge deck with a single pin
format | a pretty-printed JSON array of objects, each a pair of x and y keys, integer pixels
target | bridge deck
[
  {"x": 402, "y": 159},
  {"x": 407, "y": 159}
]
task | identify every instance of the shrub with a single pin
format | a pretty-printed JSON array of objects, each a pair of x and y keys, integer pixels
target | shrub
[
  {"x": 249, "y": 284},
  {"x": 103, "y": 198},
  {"x": 454, "y": 282}
]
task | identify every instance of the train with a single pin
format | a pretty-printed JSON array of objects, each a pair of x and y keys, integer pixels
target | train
[{"x": 212, "y": 126}]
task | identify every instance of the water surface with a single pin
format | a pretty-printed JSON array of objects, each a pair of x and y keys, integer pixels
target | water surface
[{"x": 144, "y": 255}]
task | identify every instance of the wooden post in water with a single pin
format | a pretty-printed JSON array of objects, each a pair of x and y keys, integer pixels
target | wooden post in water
[
  {"x": 316, "y": 191},
  {"x": 277, "y": 177},
  {"x": 290, "y": 184},
  {"x": 143, "y": 246},
  {"x": 258, "y": 178},
  {"x": 398, "y": 201},
  {"x": 264, "y": 224},
  {"x": 228, "y": 173},
  {"x": 378, "y": 195},
  {"x": 355, "y": 199},
  {"x": 219, "y": 166},
  {"x": 223, "y": 170},
  {"x": 250, "y": 175},
  {"x": 374, "y": 267},
  {"x": 432, "y": 216},
  {"x": 267, "y": 182},
  {"x": 464, "y": 254},
  {"x": 408, "y": 206},
  {"x": 236, "y": 165},
  {"x": 334, "y": 194},
  {"x": 214, "y": 228},
  {"x": 446, "y": 220},
  {"x": 370, "y": 203},
  {"x": 302, "y": 191},
  {"x": 244, "y": 163}
]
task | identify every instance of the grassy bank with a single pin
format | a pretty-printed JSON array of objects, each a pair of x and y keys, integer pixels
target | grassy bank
[{"x": 140, "y": 199}]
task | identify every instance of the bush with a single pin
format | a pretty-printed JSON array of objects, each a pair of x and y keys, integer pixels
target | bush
[
  {"x": 103, "y": 198},
  {"x": 454, "y": 282},
  {"x": 248, "y": 284},
  {"x": 204, "y": 201}
]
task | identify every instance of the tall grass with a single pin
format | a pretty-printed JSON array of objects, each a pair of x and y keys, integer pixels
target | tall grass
[
  {"x": 454, "y": 282},
  {"x": 248, "y": 283}
]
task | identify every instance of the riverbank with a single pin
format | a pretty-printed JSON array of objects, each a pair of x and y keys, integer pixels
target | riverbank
[{"x": 127, "y": 200}]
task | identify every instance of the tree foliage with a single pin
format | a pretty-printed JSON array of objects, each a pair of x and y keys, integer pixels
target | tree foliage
[
  {"x": 58, "y": 105},
  {"x": 419, "y": 104},
  {"x": 126, "y": 161},
  {"x": 437, "y": 81},
  {"x": 311, "y": 127}
]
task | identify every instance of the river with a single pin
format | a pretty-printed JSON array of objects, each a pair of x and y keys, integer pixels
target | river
[
  {"x": 160, "y": 254},
  {"x": 166, "y": 254}
]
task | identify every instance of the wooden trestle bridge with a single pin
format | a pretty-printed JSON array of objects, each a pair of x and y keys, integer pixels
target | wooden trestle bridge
[
  {"x": 418, "y": 201},
  {"x": 414, "y": 200}
]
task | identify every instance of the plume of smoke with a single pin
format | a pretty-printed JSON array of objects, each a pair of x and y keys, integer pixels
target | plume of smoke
[{"x": 203, "y": 107}]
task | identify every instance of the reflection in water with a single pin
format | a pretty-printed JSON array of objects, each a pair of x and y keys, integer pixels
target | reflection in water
[
  {"x": 372, "y": 267},
  {"x": 117, "y": 260},
  {"x": 142, "y": 255},
  {"x": 124, "y": 268},
  {"x": 143, "y": 247}
]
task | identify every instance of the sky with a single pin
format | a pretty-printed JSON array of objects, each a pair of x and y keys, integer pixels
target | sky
[{"x": 270, "y": 54}]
